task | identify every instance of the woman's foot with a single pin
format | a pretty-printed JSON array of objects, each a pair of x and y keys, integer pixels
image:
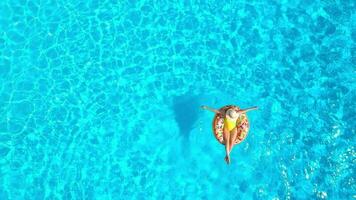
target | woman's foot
[{"x": 227, "y": 159}]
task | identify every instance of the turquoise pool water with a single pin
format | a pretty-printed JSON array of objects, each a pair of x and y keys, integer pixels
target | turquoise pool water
[{"x": 100, "y": 99}]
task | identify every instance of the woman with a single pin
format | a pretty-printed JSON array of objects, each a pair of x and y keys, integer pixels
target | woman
[{"x": 230, "y": 129}]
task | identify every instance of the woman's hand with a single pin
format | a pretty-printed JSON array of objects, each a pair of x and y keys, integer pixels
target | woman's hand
[
  {"x": 248, "y": 109},
  {"x": 204, "y": 107},
  {"x": 210, "y": 109}
]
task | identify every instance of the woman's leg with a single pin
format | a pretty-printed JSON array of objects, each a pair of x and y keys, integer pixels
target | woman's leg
[
  {"x": 232, "y": 139},
  {"x": 226, "y": 136}
]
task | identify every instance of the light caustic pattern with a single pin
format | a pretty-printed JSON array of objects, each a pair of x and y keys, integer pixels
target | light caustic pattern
[{"x": 100, "y": 99}]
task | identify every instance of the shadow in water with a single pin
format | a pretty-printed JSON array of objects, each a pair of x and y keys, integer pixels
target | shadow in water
[{"x": 186, "y": 110}]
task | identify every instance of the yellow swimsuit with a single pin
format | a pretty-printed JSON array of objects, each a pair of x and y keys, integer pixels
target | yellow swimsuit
[{"x": 230, "y": 124}]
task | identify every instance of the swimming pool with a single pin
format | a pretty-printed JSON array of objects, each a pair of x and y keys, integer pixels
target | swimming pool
[{"x": 100, "y": 99}]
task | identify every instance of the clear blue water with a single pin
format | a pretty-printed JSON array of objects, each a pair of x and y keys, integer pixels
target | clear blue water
[{"x": 100, "y": 99}]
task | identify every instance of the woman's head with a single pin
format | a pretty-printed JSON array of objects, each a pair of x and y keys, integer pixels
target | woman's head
[{"x": 232, "y": 113}]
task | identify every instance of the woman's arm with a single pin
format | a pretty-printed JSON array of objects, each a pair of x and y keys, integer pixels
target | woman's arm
[
  {"x": 248, "y": 109},
  {"x": 210, "y": 109}
]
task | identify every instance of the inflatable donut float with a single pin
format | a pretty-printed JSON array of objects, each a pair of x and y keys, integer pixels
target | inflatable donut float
[{"x": 241, "y": 123}]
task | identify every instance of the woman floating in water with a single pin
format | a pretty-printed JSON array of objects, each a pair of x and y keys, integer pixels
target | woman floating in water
[{"x": 230, "y": 126}]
